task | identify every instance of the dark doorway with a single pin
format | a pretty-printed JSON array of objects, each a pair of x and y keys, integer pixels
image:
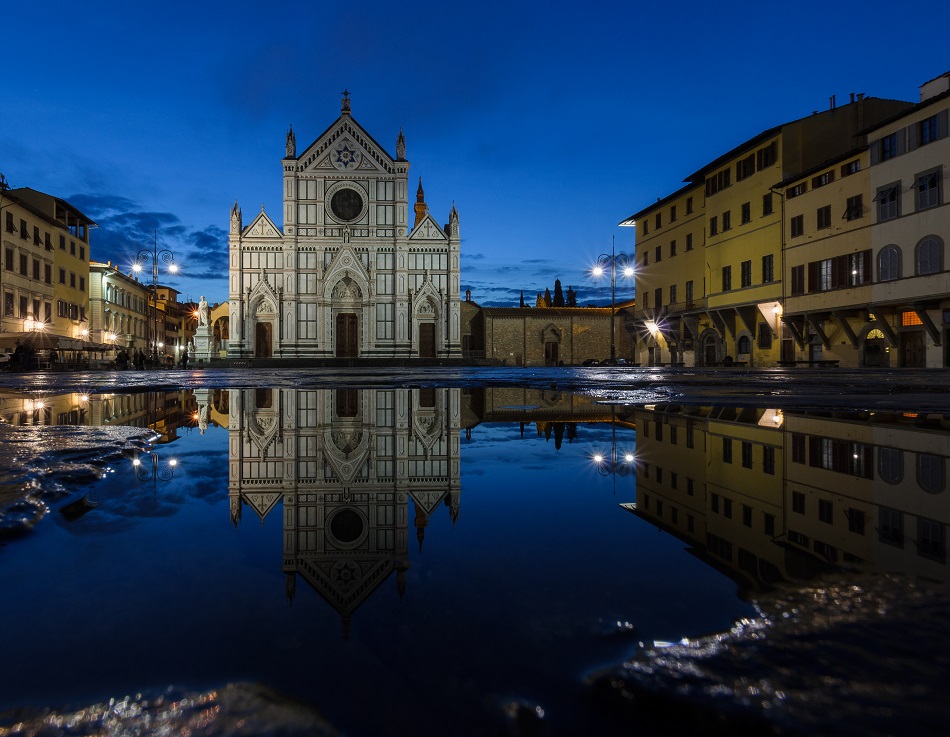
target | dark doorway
[
  {"x": 551, "y": 354},
  {"x": 913, "y": 354},
  {"x": 788, "y": 350},
  {"x": 347, "y": 335},
  {"x": 426, "y": 340},
  {"x": 262, "y": 340}
]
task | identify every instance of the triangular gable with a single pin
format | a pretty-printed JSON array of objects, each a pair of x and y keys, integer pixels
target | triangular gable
[
  {"x": 346, "y": 147},
  {"x": 428, "y": 501},
  {"x": 428, "y": 230},
  {"x": 262, "y": 227},
  {"x": 262, "y": 502},
  {"x": 345, "y": 581}
]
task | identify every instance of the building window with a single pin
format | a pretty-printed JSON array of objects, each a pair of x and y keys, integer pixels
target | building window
[
  {"x": 24, "y": 265},
  {"x": 929, "y": 256},
  {"x": 659, "y": 220},
  {"x": 852, "y": 167},
  {"x": 768, "y": 269},
  {"x": 745, "y": 167},
  {"x": 824, "y": 275},
  {"x": 727, "y": 450},
  {"x": 891, "y": 526},
  {"x": 932, "y": 129},
  {"x": 646, "y": 226},
  {"x": 768, "y": 459},
  {"x": 855, "y": 208},
  {"x": 797, "y": 191},
  {"x": 689, "y": 205},
  {"x": 889, "y": 264},
  {"x": 822, "y": 179},
  {"x": 689, "y": 241},
  {"x": 931, "y": 539},
  {"x": 798, "y": 279},
  {"x": 888, "y": 203},
  {"x": 746, "y": 448},
  {"x": 768, "y": 524},
  {"x": 798, "y": 448},
  {"x": 767, "y": 204},
  {"x": 744, "y": 345},
  {"x": 930, "y": 473},
  {"x": 726, "y": 221},
  {"x": 826, "y": 511},
  {"x": 673, "y": 294},
  {"x": 890, "y": 465},
  {"x": 889, "y": 147},
  {"x": 727, "y": 507},
  {"x": 718, "y": 182},
  {"x": 714, "y": 503},
  {"x": 824, "y": 217},
  {"x": 855, "y": 521},
  {"x": 745, "y": 273},
  {"x": 726, "y": 278},
  {"x": 689, "y": 294},
  {"x": 798, "y": 502},
  {"x": 673, "y": 213},
  {"x": 713, "y": 225},
  {"x": 927, "y": 189},
  {"x": 659, "y": 254},
  {"x": 766, "y": 156},
  {"x": 672, "y": 248},
  {"x": 747, "y": 515},
  {"x": 797, "y": 224},
  {"x": 689, "y": 487},
  {"x": 646, "y": 258},
  {"x": 746, "y": 212}
]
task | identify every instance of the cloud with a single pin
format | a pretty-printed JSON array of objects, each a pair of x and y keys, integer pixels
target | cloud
[{"x": 472, "y": 256}]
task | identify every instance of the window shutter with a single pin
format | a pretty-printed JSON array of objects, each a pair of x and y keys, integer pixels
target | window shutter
[
  {"x": 813, "y": 276},
  {"x": 867, "y": 266},
  {"x": 942, "y": 124},
  {"x": 901, "y": 141},
  {"x": 875, "y": 152},
  {"x": 912, "y": 133}
]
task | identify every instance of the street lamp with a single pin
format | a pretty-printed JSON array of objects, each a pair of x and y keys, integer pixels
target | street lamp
[
  {"x": 154, "y": 474},
  {"x": 145, "y": 256},
  {"x": 615, "y": 463},
  {"x": 613, "y": 261}
]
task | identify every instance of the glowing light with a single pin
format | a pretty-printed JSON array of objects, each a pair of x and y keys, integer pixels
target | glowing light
[
  {"x": 173, "y": 463},
  {"x": 652, "y": 327},
  {"x": 136, "y": 267},
  {"x": 598, "y": 271},
  {"x": 598, "y": 458},
  {"x": 628, "y": 457},
  {"x": 628, "y": 271},
  {"x": 173, "y": 268},
  {"x": 136, "y": 462}
]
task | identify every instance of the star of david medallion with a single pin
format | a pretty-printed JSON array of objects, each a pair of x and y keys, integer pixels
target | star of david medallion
[{"x": 345, "y": 156}]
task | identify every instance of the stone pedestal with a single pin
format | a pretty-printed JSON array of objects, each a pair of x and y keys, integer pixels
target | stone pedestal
[{"x": 203, "y": 342}]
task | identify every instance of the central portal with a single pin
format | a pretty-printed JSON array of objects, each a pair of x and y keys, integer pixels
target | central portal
[
  {"x": 427, "y": 340},
  {"x": 347, "y": 335}
]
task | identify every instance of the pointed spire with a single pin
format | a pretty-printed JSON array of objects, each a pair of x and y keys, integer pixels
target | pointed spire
[
  {"x": 453, "y": 226},
  {"x": 237, "y": 223},
  {"x": 421, "y": 208},
  {"x": 291, "y": 143},
  {"x": 400, "y": 147},
  {"x": 345, "y": 105}
]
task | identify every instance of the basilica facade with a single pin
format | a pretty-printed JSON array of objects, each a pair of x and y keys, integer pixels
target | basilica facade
[{"x": 349, "y": 275}]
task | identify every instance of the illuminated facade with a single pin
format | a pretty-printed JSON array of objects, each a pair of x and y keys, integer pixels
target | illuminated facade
[
  {"x": 45, "y": 267},
  {"x": 740, "y": 197},
  {"x": 345, "y": 466},
  {"x": 349, "y": 275}
]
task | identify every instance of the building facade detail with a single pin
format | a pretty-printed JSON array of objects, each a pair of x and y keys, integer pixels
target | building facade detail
[{"x": 346, "y": 276}]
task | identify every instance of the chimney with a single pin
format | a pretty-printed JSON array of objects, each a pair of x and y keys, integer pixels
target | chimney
[{"x": 831, "y": 102}]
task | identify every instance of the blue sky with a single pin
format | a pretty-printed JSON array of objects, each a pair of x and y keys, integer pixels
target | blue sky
[{"x": 546, "y": 123}]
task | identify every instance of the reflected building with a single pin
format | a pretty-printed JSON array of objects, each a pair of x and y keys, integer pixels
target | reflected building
[
  {"x": 769, "y": 496},
  {"x": 353, "y": 470}
]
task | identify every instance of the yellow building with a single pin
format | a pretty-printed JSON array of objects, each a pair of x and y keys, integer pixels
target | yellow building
[
  {"x": 909, "y": 164},
  {"x": 118, "y": 308},
  {"x": 828, "y": 265},
  {"x": 740, "y": 322},
  {"x": 45, "y": 267}
]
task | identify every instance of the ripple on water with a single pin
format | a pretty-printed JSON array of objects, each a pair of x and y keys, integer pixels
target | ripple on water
[
  {"x": 236, "y": 710},
  {"x": 846, "y": 658}
]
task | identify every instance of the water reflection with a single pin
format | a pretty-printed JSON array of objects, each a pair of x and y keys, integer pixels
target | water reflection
[{"x": 769, "y": 496}]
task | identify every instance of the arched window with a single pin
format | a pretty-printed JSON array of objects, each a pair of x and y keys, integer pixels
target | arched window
[
  {"x": 744, "y": 345},
  {"x": 890, "y": 465},
  {"x": 929, "y": 257},
  {"x": 889, "y": 264}
]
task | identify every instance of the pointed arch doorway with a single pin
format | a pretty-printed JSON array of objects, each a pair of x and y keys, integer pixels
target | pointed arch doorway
[
  {"x": 347, "y": 335},
  {"x": 263, "y": 340}
]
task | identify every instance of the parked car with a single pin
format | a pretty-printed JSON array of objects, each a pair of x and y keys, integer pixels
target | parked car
[
  {"x": 591, "y": 362},
  {"x": 5, "y": 357}
]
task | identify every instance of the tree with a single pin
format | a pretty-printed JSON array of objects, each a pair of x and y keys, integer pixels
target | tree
[
  {"x": 547, "y": 297},
  {"x": 571, "y": 300},
  {"x": 558, "y": 294}
]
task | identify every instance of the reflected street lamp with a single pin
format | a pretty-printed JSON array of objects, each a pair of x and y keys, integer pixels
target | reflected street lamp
[
  {"x": 145, "y": 256},
  {"x": 613, "y": 261},
  {"x": 614, "y": 463},
  {"x": 150, "y": 471}
]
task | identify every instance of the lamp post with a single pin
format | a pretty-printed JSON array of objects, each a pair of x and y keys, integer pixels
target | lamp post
[
  {"x": 615, "y": 463},
  {"x": 613, "y": 261},
  {"x": 145, "y": 256},
  {"x": 153, "y": 473}
]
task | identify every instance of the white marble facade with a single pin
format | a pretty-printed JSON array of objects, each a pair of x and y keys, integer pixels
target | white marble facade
[{"x": 349, "y": 275}]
